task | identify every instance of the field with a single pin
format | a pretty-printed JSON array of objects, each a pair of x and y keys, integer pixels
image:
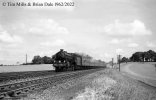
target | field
[
  {"x": 22, "y": 68},
  {"x": 145, "y": 72}
]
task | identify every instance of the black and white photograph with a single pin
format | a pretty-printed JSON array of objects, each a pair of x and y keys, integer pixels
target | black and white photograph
[{"x": 77, "y": 49}]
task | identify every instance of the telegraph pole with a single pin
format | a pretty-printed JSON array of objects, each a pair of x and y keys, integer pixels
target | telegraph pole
[
  {"x": 119, "y": 61},
  {"x": 112, "y": 62},
  {"x": 26, "y": 59}
]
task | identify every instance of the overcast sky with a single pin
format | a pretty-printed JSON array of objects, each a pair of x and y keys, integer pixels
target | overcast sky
[{"x": 100, "y": 28}]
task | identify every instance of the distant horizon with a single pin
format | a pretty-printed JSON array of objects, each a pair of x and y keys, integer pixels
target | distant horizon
[{"x": 115, "y": 60}]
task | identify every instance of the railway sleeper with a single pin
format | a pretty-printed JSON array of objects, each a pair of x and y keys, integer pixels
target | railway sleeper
[
  {"x": 13, "y": 86},
  {"x": 18, "y": 85},
  {"x": 3, "y": 95},
  {"x": 7, "y": 87},
  {"x": 20, "y": 92},
  {"x": 3, "y": 88}
]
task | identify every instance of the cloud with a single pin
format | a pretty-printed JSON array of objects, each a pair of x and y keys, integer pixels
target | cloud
[
  {"x": 57, "y": 42},
  {"x": 9, "y": 38},
  {"x": 133, "y": 45},
  {"x": 45, "y": 53},
  {"x": 127, "y": 29},
  {"x": 150, "y": 44},
  {"x": 117, "y": 41},
  {"x": 119, "y": 51},
  {"x": 107, "y": 55},
  {"x": 46, "y": 27}
]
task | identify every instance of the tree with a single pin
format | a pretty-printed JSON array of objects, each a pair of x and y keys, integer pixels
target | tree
[
  {"x": 124, "y": 59},
  {"x": 136, "y": 57},
  {"x": 37, "y": 60},
  {"x": 46, "y": 60},
  {"x": 155, "y": 57},
  {"x": 143, "y": 56},
  {"x": 151, "y": 55}
]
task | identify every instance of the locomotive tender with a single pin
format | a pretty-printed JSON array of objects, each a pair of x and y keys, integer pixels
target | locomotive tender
[{"x": 63, "y": 61}]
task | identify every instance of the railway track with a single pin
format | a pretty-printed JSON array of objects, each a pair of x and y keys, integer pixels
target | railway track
[
  {"x": 23, "y": 88},
  {"x": 4, "y": 77}
]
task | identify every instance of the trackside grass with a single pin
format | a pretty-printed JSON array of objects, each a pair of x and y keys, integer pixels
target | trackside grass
[
  {"x": 114, "y": 86},
  {"x": 99, "y": 89}
]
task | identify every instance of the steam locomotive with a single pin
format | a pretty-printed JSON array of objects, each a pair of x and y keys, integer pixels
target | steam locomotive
[{"x": 63, "y": 61}]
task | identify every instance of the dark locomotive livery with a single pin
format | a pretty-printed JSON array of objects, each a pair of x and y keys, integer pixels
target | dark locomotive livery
[{"x": 63, "y": 61}]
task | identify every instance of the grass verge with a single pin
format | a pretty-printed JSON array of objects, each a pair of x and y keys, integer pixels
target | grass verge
[{"x": 114, "y": 86}]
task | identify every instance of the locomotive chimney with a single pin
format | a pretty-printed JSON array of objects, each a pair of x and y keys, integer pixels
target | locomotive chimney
[{"x": 61, "y": 49}]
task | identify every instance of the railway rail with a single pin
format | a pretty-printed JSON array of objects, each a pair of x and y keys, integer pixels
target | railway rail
[{"x": 23, "y": 88}]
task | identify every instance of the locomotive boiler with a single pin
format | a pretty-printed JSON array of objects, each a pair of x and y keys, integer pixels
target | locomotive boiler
[{"x": 63, "y": 61}]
